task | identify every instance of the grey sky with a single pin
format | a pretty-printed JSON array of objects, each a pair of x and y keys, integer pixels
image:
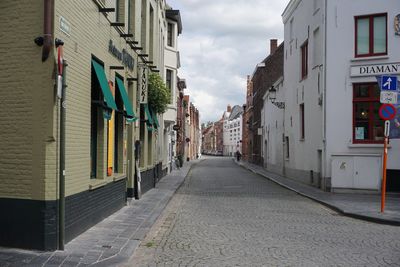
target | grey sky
[{"x": 221, "y": 42}]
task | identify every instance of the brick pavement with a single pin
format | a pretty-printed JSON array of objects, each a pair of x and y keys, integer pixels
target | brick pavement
[
  {"x": 110, "y": 242},
  {"x": 226, "y": 216},
  {"x": 365, "y": 206}
]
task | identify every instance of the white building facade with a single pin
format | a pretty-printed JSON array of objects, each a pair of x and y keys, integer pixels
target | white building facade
[
  {"x": 333, "y": 52},
  {"x": 172, "y": 64},
  {"x": 233, "y": 131}
]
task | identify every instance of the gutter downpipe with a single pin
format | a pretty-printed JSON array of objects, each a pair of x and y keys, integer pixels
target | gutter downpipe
[
  {"x": 324, "y": 96},
  {"x": 47, "y": 28}
]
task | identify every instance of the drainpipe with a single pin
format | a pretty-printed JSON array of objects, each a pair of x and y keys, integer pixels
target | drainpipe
[
  {"x": 48, "y": 28},
  {"x": 324, "y": 157}
]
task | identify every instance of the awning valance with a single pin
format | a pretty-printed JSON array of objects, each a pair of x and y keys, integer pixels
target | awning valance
[
  {"x": 101, "y": 76},
  {"x": 128, "y": 107}
]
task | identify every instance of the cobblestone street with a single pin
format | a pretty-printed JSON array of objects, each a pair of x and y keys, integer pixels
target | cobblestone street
[{"x": 224, "y": 215}]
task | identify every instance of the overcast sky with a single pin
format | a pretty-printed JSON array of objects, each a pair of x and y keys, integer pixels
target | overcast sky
[{"x": 221, "y": 42}]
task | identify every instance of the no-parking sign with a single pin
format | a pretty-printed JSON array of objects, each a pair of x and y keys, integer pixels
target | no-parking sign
[{"x": 387, "y": 112}]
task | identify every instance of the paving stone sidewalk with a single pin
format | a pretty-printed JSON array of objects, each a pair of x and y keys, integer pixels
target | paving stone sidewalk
[
  {"x": 365, "y": 206},
  {"x": 113, "y": 240}
]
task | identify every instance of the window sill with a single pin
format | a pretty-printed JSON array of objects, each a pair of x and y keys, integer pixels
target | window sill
[
  {"x": 119, "y": 176},
  {"x": 97, "y": 183},
  {"x": 368, "y": 58},
  {"x": 367, "y": 146}
]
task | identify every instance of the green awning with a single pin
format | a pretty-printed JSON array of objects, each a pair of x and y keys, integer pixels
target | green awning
[
  {"x": 149, "y": 118},
  {"x": 101, "y": 76},
  {"x": 156, "y": 124},
  {"x": 128, "y": 107}
]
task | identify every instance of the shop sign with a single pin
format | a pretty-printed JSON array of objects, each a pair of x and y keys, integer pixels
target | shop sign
[
  {"x": 372, "y": 70},
  {"x": 143, "y": 84},
  {"x": 65, "y": 27},
  {"x": 126, "y": 59}
]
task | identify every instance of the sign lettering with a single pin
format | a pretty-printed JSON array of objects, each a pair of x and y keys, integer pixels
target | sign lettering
[
  {"x": 126, "y": 59},
  {"x": 371, "y": 70}
]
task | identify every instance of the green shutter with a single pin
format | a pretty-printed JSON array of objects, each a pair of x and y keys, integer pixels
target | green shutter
[
  {"x": 128, "y": 107},
  {"x": 101, "y": 76}
]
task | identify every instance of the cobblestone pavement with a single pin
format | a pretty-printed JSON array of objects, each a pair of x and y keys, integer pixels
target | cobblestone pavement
[{"x": 224, "y": 215}]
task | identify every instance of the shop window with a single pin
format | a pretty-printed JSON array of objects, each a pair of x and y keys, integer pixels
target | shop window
[
  {"x": 302, "y": 126},
  {"x": 371, "y": 35},
  {"x": 170, "y": 35},
  {"x": 304, "y": 60},
  {"x": 96, "y": 125},
  {"x": 118, "y": 131},
  {"x": 367, "y": 125},
  {"x": 142, "y": 135}
]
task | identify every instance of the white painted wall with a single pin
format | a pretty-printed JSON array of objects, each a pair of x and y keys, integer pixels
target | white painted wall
[
  {"x": 329, "y": 102},
  {"x": 339, "y": 84},
  {"x": 302, "y": 19}
]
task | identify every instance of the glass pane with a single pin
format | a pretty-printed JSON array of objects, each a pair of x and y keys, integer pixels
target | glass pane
[
  {"x": 379, "y": 35},
  {"x": 363, "y": 36},
  {"x": 377, "y": 127},
  {"x": 376, "y": 92},
  {"x": 361, "y": 90},
  {"x": 361, "y": 111}
]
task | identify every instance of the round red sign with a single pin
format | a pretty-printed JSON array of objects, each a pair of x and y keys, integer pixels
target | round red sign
[{"x": 387, "y": 112}]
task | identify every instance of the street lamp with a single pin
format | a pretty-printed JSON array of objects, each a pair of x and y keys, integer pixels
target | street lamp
[{"x": 272, "y": 97}]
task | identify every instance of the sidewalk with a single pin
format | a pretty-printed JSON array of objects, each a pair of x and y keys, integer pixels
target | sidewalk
[
  {"x": 358, "y": 205},
  {"x": 113, "y": 240}
]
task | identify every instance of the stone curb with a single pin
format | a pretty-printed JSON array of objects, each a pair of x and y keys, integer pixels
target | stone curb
[{"x": 327, "y": 204}]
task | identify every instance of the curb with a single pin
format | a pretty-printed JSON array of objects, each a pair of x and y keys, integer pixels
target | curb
[{"x": 330, "y": 206}]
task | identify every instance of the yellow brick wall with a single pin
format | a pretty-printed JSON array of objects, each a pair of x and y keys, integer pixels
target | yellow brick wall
[{"x": 26, "y": 104}]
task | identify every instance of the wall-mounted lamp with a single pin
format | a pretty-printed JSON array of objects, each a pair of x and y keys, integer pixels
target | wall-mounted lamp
[{"x": 272, "y": 97}]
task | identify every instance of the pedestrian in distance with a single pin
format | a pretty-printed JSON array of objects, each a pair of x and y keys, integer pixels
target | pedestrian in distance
[{"x": 238, "y": 155}]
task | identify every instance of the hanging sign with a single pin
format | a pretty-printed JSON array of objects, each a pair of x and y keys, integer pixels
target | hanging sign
[{"x": 143, "y": 85}]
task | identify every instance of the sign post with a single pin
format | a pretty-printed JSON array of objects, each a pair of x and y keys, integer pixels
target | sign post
[
  {"x": 387, "y": 112},
  {"x": 383, "y": 197}
]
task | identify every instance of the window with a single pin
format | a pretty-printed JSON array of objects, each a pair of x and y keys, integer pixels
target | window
[
  {"x": 302, "y": 126},
  {"x": 291, "y": 30},
  {"x": 96, "y": 124},
  {"x": 170, "y": 36},
  {"x": 287, "y": 147},
  {"x": 120, "y": 11},
  {"x": 371, "y": 35},
  {"x": 367, "y": 126},
  {"x": 169, "y": 81},
  {"x": 304, "y": 60}
]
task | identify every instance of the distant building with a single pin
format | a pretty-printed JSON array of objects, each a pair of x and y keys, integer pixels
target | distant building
[
  {"x": 233, "y": 131},
  {"x": 264, "y": 76},
  {"x": 247, "y": 122}
]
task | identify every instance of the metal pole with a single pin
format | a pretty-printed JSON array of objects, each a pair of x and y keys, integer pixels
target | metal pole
[
  {"x": 383, "y": 197},
  {"x": 61, "y": 201}
]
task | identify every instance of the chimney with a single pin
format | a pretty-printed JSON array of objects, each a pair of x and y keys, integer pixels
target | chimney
[
  {"x": 273, "y": 46},
  {"x": 229, "y": 108}
]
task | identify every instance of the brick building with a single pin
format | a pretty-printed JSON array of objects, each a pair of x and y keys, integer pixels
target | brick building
[
  {"x": 52, "y": 190},
  {"x": 247, "y": 130},
  {"x": 264, "y": 76}
]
